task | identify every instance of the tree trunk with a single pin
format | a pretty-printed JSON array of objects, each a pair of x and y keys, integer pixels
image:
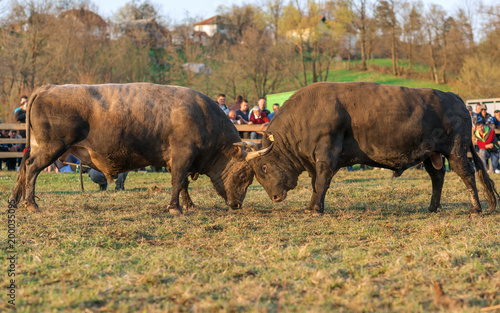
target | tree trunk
[{"x": 434, "y": 71}]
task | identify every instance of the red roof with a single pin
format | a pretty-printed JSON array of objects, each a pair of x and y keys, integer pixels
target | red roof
[{"x": 207, "y": 21}]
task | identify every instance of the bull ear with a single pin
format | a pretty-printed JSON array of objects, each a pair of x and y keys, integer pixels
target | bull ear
[
  {"x": 253, "y": 155},
  {"x": 239, "y": 151},
  {"x": 268, "y": 139}
]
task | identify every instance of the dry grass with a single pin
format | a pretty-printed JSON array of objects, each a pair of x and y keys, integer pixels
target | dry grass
[{"x": 376, "y": 249}]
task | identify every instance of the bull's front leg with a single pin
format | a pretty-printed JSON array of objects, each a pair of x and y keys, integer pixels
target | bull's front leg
[
  {"x": 323, "y": 179},
  {"x": 179, "y": 165},
  {"x": 186, "y": 199},
  {"x": 437, "y": 178},
  {"x": 178, "y": 178},
  {"x": 325, "y": 168}
]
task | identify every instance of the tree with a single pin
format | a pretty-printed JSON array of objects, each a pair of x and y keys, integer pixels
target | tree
[
  {"x": 360, "y": 23},
  {"x": 275, "y": 10},
  {"x": 135, "y": 10},
  {"x": 412, "y": 25},
  {"x": 386, "y": 14},
  {"x": 260, "y": 61}
]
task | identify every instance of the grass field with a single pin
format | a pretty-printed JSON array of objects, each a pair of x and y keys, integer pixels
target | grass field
[
  {"x": 344, "y": 75},
  {"x": 376, "y": 249}
]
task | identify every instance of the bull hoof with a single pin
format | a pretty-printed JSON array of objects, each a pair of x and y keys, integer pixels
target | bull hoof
[
  {"x": 190, "y": 207},
  {"x": 314, "y": 212},
  {"x": 33, "y": 208},
  {"x": 474, "y": 213},
  {"x": 175, "y": 211},
  {"x": 434, "y": 208}
]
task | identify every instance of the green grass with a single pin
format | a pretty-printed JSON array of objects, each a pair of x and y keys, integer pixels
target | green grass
[
  {"x": 344, "y": 75},
  {"x": 376, "y": 249}
]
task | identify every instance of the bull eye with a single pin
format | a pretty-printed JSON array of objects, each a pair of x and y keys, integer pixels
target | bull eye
[
  {"x": 264, "y": 169},
  {"x": 242, "y": 176}
]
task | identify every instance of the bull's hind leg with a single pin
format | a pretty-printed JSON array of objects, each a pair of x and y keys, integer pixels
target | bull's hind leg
[
  {"x": 437, "y": 178},
  {"x": 35, "y": 163},
  {"x": 464, "y": 169}
]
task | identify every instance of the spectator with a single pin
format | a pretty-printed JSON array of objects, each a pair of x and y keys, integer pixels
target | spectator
[
  {"x": 221, "y": 99},
  {"x": 473, "y": 115},
  {"x": 62, "y": 167},
  {"x": 258, "y": 117},
  {"x": 484, "y": 117},
  {"x": 262, "y": 106},
  {"x": 20, "y": 112},
  {"x": 276, "y": 106},
  {"x": 488, "y": 146},
  {"x": 237, "y": 103},
  {"x": 232, "y": 116},
  {"x": 11, "y": 162},
  {"x": 496, "y": 119},
  {"x": 478, "y": 109},
  {"x": 99, "y": 178},
  {"x": 4, "y": 147},
  {"x": 243, "y": 114}
]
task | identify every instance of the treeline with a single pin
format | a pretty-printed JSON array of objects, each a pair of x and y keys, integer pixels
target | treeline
[{"x": 256, "y": 50}]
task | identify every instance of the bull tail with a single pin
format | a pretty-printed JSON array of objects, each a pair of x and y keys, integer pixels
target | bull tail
[
  {"x": 488, "y": 184},
  {"x": 28, "y": 120},
  {"x": 20, "y": 188},
  {"x": 19, "y": 191}
]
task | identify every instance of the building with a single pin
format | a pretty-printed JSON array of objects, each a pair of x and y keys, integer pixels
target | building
[{"x": 210, "y": 26}]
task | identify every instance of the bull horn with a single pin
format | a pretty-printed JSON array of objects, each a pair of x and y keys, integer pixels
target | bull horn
[
  {"x": 253, "y": 155},
  {"x": 242, "y": 153},
  {"x": 248, "y": 144}
]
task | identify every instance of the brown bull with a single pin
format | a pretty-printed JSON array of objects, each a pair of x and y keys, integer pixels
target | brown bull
[
  {"x": 326, "y": 126},
  {"x": 117, "y": 128}
]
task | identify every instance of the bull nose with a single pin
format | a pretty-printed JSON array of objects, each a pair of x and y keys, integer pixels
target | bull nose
[
  {"x": 279, "y": 198},
  {"x": 235, "y": 207}
]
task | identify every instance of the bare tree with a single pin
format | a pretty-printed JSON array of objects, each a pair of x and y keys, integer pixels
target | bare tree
[
  {"x": 412, "y": 25},
  {"x": 360, "y": 23},
  {"x": 387, "y": 16},
  {"x": 260, "y": 62},
  {"x": 275, "y": 10}
]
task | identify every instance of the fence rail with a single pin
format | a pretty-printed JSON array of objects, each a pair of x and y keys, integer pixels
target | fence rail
[
  {"x": 250, "y": 128},
  {"x": 9, "y": 126}
]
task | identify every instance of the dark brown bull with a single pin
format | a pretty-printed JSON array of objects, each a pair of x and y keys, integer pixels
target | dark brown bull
[
  {"x": 117, "y": 128},
  {"x": 326, "y": 126}
]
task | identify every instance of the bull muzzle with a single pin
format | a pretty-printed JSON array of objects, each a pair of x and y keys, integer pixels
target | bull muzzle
[
  {"x": 234, "y": 206},
  {"x": 280, "y": 197}
]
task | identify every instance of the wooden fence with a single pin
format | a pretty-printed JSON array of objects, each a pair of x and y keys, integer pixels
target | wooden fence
[
  {"x": 7, "y": 126},
  {"x": 250, "y": 128}
]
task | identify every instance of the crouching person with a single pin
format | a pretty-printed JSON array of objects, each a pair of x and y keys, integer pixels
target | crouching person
[
  {"x": 488, "y": 146},
  {"x": 99, "y": 178}
]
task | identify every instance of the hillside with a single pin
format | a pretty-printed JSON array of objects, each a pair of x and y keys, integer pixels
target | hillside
[{"x": 374, "y": 74}]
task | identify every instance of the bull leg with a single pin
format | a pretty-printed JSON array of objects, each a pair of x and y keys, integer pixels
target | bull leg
[
  {"x": 34, "y": 164},
  {"x": 437, "y": 178},
  {"x": 325, "y": 168},
  {"x": 461, "y": 165},
  {"x": 186, "y": 199},
  {"x": 180, "y": 163}
]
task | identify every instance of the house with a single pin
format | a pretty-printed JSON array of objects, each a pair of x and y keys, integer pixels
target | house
[{"x": 210, "y": 26}]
